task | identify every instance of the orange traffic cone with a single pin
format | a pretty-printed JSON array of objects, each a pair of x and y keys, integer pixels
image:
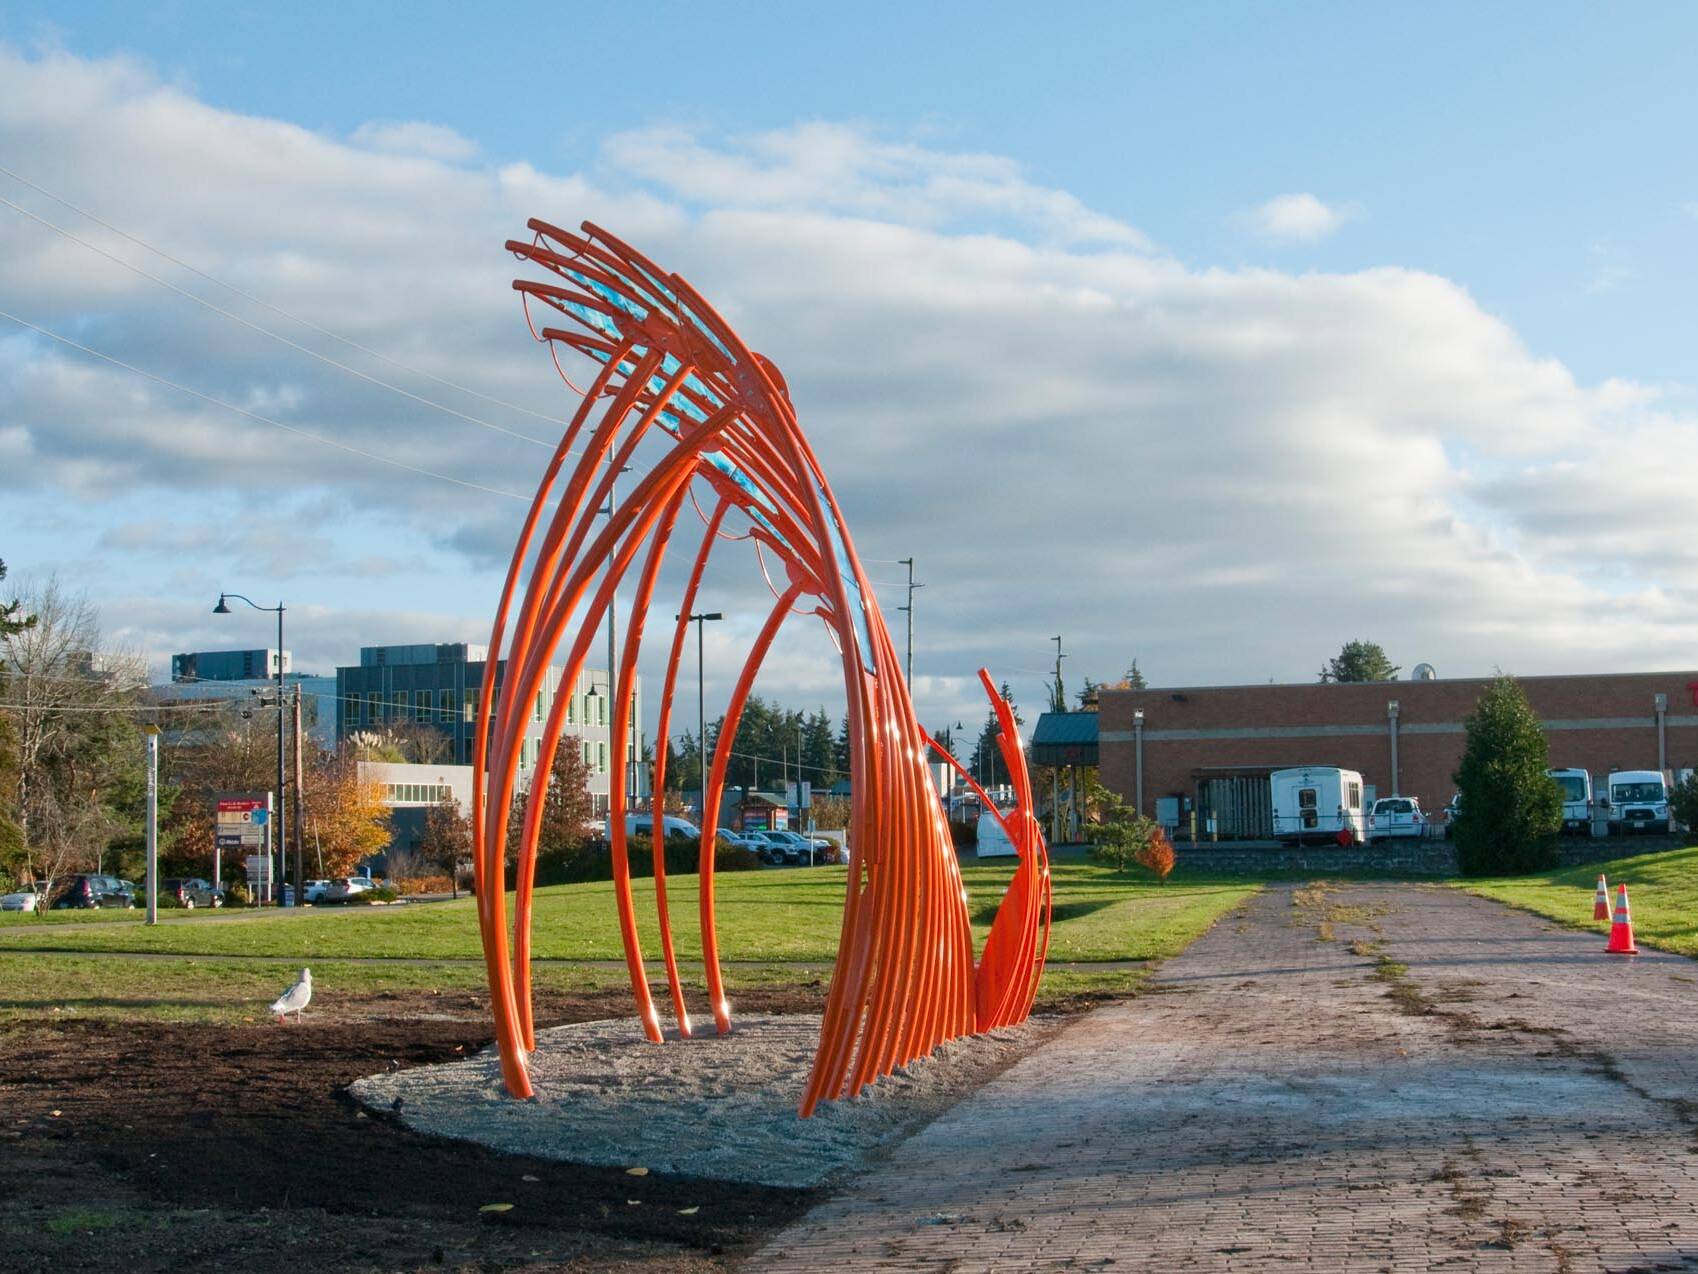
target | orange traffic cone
[
  {"x": 1601, "y": 900},
  {"x": 1621, "y": 931}
]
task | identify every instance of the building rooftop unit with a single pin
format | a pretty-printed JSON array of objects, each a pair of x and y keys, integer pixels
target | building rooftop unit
[{"x": 451, "y": 652}]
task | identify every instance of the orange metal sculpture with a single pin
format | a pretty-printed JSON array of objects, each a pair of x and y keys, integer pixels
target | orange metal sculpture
[{"x": 714, "y": 419}]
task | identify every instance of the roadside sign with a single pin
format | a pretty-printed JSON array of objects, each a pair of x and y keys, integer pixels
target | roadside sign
[{"x": 242, "y": 819}]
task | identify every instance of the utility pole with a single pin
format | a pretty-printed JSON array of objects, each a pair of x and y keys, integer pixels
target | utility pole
[
  {"x": 300, "y": 875},
  {"x": 153, "y": 825},
  {"x": 698, "y": 619},
  {"x": 909, "y": 608},
  {"x": 1060, "y": 697},
  {"x": 1060, "y": 705}
]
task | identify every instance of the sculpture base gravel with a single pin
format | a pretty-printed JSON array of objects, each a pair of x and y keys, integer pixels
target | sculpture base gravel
[{"x": 708, "y": 1106}]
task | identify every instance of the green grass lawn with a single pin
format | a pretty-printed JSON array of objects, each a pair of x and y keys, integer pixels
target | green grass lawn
[
  {"x": 771, "y": 922},
  {"x": 788, "y": 915},
  {"x": 1662, "y": 890}
]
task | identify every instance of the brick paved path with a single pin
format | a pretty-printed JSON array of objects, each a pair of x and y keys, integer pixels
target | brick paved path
[{"x": 1294, "y": 1100}]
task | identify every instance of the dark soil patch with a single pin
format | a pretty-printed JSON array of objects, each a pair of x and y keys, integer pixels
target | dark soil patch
[{"x": 144, "y": 1147}]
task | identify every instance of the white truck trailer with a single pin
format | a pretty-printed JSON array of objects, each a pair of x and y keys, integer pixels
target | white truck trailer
[{"x": 1315, "y": 803}]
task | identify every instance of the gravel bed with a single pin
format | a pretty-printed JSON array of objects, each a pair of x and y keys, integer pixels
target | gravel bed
[{"x": 709, "y": 1106}]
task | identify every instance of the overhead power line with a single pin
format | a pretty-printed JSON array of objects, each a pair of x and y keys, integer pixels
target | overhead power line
[
  {"x": 264, "y": 304},
  {"x": 276, "y": 336},
  {"x": 254, "y": 415}
]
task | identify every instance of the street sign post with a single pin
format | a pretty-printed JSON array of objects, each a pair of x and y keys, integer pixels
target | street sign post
[{"x": 244, "y": 825}]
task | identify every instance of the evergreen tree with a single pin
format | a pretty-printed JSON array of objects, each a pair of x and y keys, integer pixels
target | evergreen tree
[
  {"x": 1360, "y": 661},
  {"x": 819, "y": 751},
  {"x": 1511, "y": 810},
  {"x": 1088, "y": 696},
  {"x": 1135, "y": 679},
  {"x": 840, "y": 749},
  {"x": 988, "y": 766}
]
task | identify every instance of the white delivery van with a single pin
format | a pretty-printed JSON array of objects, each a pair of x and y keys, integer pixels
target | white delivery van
[
  {"x": 1639, "y": 802},
  {"x": 1316, "y": 803},
  {"x": 1576, "y": 788},
  {"x": 643, "y": 825},
  {"x": 993, "y": 841}
]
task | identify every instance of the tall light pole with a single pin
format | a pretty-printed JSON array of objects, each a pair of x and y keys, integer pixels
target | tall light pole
[
  {"x": 618, "y": 756},
  {"x": 909, "y": 608},
  {"x": 278, "y": 818},
  {"x": 698, "y": 619}
]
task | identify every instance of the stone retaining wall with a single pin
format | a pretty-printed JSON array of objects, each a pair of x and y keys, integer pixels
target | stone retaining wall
[{"x": 1396, "y": 857}]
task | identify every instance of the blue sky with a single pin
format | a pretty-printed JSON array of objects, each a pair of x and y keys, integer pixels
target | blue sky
[
  {"x": 1540, "y": 154},
  {"x": 1216, "y": 335}
]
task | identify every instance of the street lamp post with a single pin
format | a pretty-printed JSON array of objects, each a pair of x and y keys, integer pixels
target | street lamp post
[
  {"x": 279, "y": 819},
  {"x": 698, "y": 619}
]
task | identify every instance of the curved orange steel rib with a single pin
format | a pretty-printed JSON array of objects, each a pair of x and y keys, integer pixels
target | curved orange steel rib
[{"x": 673, "y": 373}]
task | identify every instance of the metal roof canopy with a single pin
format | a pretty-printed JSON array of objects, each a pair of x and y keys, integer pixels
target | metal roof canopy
[{"x": 1065, "y": 738}]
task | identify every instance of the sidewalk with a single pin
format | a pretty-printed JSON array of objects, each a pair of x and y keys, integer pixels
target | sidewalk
[{"x": 1512, "y": 1101}]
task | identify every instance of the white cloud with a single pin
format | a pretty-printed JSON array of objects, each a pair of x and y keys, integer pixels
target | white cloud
[
  {"x": 833, "y": 167},
  {"x": 1297, "y": 218},
  {"x": 414, "y": 137},
  {"x": 1226, "y": 473}
]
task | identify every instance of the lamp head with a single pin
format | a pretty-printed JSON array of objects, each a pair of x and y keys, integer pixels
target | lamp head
[{"x": 221, "y": 608}]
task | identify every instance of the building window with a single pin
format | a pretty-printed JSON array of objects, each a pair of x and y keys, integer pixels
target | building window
[
  {"x": 374, "y": 707},
  {"x": 469, "y": 711},
  {"x": 401, "y": 701},
  {"x": 536, "y": 709},
  {"x": 572, "y": 709},
  {"x": 444, "y": 705},
  {"x": 589, "y": 755},
  {"x": 601, "y": 758},
  {"x": 524, "y": 754}
]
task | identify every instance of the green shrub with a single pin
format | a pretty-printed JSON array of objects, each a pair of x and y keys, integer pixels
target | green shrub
[
  {"x": 1121, "y": 835},
  {"x": 1511, "y": 809},
  {"x": 168, "y": 902},
  {"x": 1684, "y": 802}
]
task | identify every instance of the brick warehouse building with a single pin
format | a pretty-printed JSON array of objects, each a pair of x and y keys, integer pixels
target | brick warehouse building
[{"x": 1216, "y": 745}]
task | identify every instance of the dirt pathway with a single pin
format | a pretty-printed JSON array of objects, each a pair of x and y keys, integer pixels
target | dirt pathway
[{"x": 1360, "y": 1078}]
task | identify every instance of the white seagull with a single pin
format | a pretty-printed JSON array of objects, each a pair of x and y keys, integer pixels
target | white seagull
[{"x": 295, "y": 998}]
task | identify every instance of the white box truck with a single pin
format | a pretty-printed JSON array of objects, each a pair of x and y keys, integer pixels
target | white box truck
[
  {"x": 1315, "y": 803},
  {"x": 993, "y": 841}
]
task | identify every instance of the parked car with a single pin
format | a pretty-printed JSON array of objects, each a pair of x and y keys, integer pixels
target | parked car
[
  {"x": 344, "y": 888},
  {"x": 90, "y": 891},
  {"x": 1638, "y": 802},
  {"x": 737, "y": 840},
  {"x": 778, "y": 848},
  {"x": 315, "y": 890},
  {"x": 1396, "y": 816},
  {"x": 27, "y": 900},
  {"x": 1451, "y": 812},
  {"x": 192, "y": 892}
]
